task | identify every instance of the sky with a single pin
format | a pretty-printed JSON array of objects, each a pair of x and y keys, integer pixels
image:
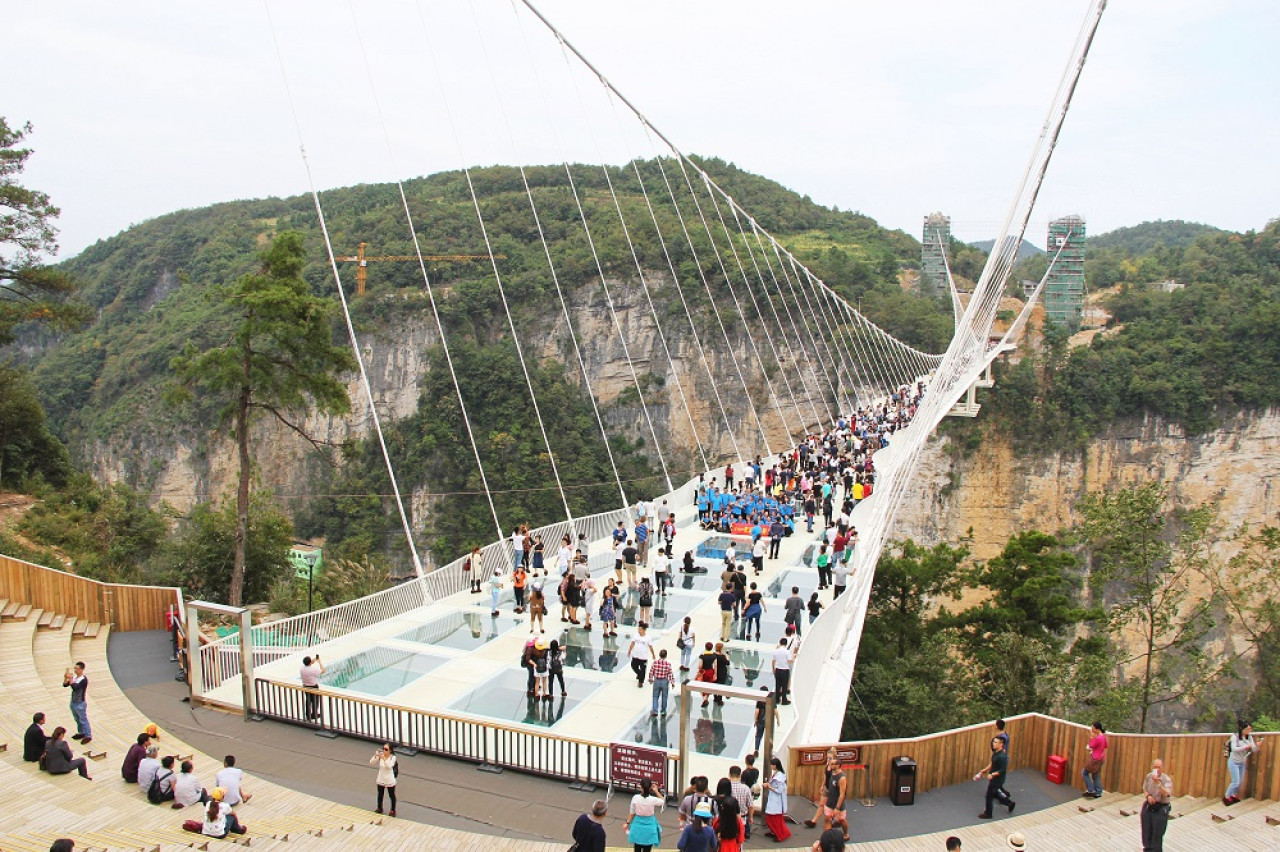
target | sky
[{"x": 894, "y": 109}]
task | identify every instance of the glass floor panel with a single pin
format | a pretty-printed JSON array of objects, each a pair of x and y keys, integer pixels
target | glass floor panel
[
  {"x": 772, "y": 627},
  {"x": 464, "y": 631},
  {"x": 715, "y": 546},
  {"x": 669, "y": 610},
  {"x": 805, "y": 579},
  {"x": 380, "y": 670},
  {"x": 721, "y": 729},
  {"x": 505, "y": 697},
  {"x": 708, "y": 582}
]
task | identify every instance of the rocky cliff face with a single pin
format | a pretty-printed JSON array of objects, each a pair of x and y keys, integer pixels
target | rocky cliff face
[
  {"x": 681, "y": 399},
  {"x": 999, "y": 494}
]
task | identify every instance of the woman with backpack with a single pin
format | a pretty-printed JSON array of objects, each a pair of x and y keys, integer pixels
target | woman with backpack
[
  {"x": 388, "y": 771},
  {"x": 1238, "y": 749}
]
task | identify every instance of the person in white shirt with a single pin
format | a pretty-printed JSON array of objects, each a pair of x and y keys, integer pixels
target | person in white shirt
[
  {"x": 229, "y": 778},
  {"x": 517, "y": 546},
  {"x": 148, "y": 769},
  {"x": 218, "y": 817},
  {"x": 782, "y": 672},
  {"x": 640, "y": 650},
  {"x": 187, "y": 789}
]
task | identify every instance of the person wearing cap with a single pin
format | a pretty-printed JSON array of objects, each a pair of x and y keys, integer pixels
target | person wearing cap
[
  {"x": 219, "y": 820},
  {"x": 698, "y": 835},
  {"x": 229, "y": 778},
  {"x": 538, "y": 659}
]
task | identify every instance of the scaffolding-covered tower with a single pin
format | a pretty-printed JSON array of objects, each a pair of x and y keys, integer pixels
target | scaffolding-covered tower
[
  {"x": 933, "y": 260},
  {"x": 1064, "y": 289}
]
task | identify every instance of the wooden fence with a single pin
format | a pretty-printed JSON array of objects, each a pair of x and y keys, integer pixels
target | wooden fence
[
  {"x": 1194, "y": 761},
  {"x": 124, "y": 607}
]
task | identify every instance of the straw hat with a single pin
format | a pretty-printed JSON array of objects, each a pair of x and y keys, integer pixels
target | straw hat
[
  {"x": 218, "y": 794},
  {"x": 1016, "y": 841},
  {"x": 540, "y": 644}
]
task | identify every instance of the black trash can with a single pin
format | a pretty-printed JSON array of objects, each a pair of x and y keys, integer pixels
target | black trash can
[{"x": 903, "y": 791}]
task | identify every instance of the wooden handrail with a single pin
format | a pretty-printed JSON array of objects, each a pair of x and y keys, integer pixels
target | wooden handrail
[
  {"x": 950, "y": 757},
  {"x": 123, "y": 606}
]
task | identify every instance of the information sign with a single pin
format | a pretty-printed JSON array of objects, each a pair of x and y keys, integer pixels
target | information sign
[{"x": 630, "y": 764}]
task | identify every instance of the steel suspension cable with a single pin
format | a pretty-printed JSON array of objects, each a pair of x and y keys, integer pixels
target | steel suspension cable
[
  {"x": 657, "y": 320},
  {"x": 604, "y": 284},
  {"x": 804, "y": 385},
  {"x": 426, "y": 279},
  {"x": 342, "y": 299}
]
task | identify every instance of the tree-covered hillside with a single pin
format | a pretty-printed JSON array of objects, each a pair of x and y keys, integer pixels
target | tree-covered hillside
[
  {"x": 1141, "y": 239},
  {"x": 1192, "y": 355}
]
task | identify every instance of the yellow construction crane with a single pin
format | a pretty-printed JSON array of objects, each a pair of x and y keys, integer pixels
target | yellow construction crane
[{"x": 362, "y": 270}]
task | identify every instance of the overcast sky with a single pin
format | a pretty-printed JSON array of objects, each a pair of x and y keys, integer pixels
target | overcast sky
[{"x": 894, "y": 109}]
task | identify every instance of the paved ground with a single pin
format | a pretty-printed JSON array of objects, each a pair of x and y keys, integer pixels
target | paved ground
[{"x": 456, "y": 794}]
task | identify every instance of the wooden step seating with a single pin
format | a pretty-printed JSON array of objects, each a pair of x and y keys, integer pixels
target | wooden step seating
[{"x": 22, "y": 685}]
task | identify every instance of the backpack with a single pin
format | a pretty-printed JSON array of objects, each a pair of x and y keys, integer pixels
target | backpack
[
  {"x": 154, "y": 796},
  {"x": 395, "y": 769}
]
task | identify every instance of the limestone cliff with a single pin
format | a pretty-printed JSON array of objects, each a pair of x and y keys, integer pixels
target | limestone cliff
[
  {"x": 186, "y": 468},
  {"x": 999, "y": 493}
]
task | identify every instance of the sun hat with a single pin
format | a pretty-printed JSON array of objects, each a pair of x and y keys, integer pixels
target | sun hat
[
  {"x": 540, "y": 644},
  {"x": 702, "y": 810},
  {"x": 151, "y": 730},
  {"x": 218, "y": 794},
  {"x": 1016, "y": 841}
]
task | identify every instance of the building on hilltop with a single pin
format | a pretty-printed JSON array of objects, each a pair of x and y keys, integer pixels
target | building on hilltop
[
  {"x": 933, "y": 259},
  {"x": 1064, "y": 288}
]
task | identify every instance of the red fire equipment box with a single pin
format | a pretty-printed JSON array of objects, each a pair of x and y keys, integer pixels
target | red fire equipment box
[{"x": 1057, "y": 772}]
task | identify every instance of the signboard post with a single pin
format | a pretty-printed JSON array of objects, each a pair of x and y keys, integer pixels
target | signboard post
[{"x": 630, "y": 764}]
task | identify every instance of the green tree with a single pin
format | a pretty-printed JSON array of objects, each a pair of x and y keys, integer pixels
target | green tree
[
  {"x": 27, "y": 448},
  {"x": 1146, "y": 580},
  {"x": 280, "y": 359},
  {"x": 29, "y": 290},
  {"x": 909, "y": 578},
  {"x": 1249, "y": 585},
  {"x": 1036, "y": 593},
  {"x": 202, "y": 559},
  {"x": 110, "y": 532}
]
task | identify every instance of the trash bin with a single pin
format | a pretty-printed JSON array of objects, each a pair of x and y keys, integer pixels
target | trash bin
[
  {"x": 1057, "y": 771},
  {"x": 903, "y": 791}
]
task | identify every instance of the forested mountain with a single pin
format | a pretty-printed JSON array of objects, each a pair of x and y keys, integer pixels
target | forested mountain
[
  {"x": 1025, "y": 250},
  {"x": 1140, "y": 239},
  {"x": 1192, "y": 355},
  {"x": 104, "y": 388}
]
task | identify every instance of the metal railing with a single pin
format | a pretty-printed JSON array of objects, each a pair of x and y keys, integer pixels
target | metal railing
[{"x": 486, "y": 743}]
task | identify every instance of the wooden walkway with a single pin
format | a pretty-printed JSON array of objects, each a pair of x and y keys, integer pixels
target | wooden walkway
[{"x": 108, "y": 814}]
